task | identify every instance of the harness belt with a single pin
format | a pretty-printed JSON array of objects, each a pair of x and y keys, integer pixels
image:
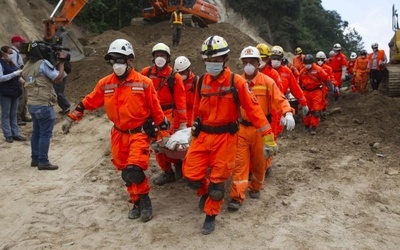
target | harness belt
[
  {"x": 316, "y": 88},
  {"x": 246, "y": 123},
  {"x": 130, "y": 131},
  {"x": 167, "y": 106},
  {"x": 231, "y": 128}
]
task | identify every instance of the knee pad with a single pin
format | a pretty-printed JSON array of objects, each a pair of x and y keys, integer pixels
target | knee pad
[
  {"x": 133, "y": 175},
  {"x": 194, "y": 184},
  {"x": 216, "y": 191},
  {"x": 317, "y": 113}
]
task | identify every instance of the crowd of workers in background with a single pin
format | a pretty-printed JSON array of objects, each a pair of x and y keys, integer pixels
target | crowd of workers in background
[{"x": 235, "y": 118}]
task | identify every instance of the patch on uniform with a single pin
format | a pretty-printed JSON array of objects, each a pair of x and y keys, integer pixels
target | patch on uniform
[
  {"x": 248, "y": 88},
  {"x": 253, "y": 98}
]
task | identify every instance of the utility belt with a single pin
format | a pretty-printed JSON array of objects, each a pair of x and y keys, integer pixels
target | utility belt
[
  {"x": 167, "y": 106},
  {"x": 246, "y": 123},
  {"x": 198, "y": 126},
  {"x": 313, "y": 89},
  {"x": 130, "y": 131}
]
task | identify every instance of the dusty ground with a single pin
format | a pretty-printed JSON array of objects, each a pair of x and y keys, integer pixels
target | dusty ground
[{"x": 329, "y": 191}]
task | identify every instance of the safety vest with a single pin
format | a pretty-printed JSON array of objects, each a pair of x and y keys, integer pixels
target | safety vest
[{"x": 178, "y": 19}]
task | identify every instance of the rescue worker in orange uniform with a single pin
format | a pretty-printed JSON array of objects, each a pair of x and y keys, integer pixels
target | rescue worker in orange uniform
[
  {"x": 265, "y": 64},
  {"x": 250, "y": 144},
  {"x": 211, "y": 155},
  {"x": 377, "y": 60},
  {"x": 298, "y": 59},
  {"x": 329, "y": 86},
  {"x": 361, "y": 72},
  {"x": 289, "y": 82},
  {"x": 350, "y": 70},
  {"x": 176, "y": 21},
  {"x": 296, "y": 73},
  {"x": 312, "y": 81},
  {"x": 189, "y": 78},
  {"x": 131, "y": 103},
  {"x": 171, "y": 94},
  {"x": 339, "y": 67}
]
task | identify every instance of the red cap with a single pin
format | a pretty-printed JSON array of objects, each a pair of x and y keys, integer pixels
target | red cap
[{"x": 15, "y": 39}]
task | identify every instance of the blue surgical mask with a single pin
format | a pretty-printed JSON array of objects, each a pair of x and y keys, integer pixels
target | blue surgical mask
[{"x": 214, "y": 68}]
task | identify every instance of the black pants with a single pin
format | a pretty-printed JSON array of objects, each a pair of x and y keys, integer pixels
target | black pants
[
  {"x": 176, "y": 35},
  {"x": 375, "y": 77}
]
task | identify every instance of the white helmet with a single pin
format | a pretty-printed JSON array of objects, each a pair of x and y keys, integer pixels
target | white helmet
[
  {"x": 181, "y": 63},
  {"x": 374, "y": 46},
  {"x": 122, "y": 47},
  {"x": 277, "y": 51},
  {"x": 161, "y": 47},
  {"x": 214, "y": 46},
  {"x": 250, "y": 52},
  {"x": 320, "y": 55},
  {"x": 353, "y": 55},
  {"x": 337, "y": 47}
]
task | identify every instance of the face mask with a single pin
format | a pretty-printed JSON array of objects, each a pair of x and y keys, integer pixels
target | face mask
[
  {"x": 276, "y": 63},
  {"x": 184, "y": 77},
  {"x": 160, "y": 61},
  {"x": 9, "y": 57},
  {"x": 262, "y": 64},
  {"x": 335, "y": 53},
  {"x": 214, "y": 68},
  {"x": 119, "y": 68},
  {"x": 363, "y": 56},
  {"x": 249, "y": 69},
  {"x": 308, "y": 66},
  {"x": 320, "y": 63}
]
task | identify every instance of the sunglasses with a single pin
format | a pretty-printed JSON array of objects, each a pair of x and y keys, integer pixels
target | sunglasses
[{"x": 320, "y": 59}]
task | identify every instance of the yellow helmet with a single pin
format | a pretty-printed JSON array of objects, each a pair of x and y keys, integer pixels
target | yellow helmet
[
  {"x": 277, "y": 51},
  {"x": 298, "y": 51},
  {"x": 264, "y": 50},
  {"x": 161, "y": 47}
]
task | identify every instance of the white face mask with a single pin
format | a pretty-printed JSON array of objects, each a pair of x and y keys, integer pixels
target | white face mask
[
  {"x": 119, "y": 68},
  {"x": 160, "y": 61},
  {"x": 184, "y": 77},
  {"x": 308, "y": 66},
  {"x": 214, "y": 68},
  {"x": 249, "y": 69},
  {"x": 262, "y": 64},
  {"x": 9, "y": 57},
  {"x": 320, "y": 63},
  {"x": 276, "y": 63}
]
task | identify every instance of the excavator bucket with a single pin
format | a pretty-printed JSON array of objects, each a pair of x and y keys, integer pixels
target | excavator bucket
[{"x": 69, "y": 40}]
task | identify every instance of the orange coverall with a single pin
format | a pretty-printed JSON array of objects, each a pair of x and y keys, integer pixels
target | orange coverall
[
  {"x": 338, "y": 61},
  {"x": 218, "y": 151},
  {"x": 298, "y": 61},
  {"x": 312, "y": 81},
  {"x": 189, "y": 84},
  {"x": 250, "y": 144},
  {"x": 128, "y": 105},
  {"x": 361, "y": 73},
  {"x": 288, "y": 82},
  {"x": 271, "y": 72},
  {"x": 169, "y": 102}
]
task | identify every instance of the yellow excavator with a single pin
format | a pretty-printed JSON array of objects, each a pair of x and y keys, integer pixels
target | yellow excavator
[{"x": 393, "y": 86}]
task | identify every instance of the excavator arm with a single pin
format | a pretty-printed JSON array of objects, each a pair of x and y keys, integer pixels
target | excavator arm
[{"x": 69, "y": 11}]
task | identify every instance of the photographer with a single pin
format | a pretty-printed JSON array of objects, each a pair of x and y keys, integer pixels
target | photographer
[{"x": 40, "y": 74}]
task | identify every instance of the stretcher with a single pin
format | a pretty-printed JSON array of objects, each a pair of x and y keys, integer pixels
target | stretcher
[{"x": 177, "y": 145}]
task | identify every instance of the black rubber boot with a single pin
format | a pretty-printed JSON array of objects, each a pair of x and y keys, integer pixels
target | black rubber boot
[
  {"x": 134, "y": 213},
  {"x": 234, "y": 205},
  {"x": 202, "y": 201},
  {"x": 165, "y": 178},
  {"x": 178, "y": 171},
  {"x": 209, "y": 225},
  {"x": 146, "y": 210}
]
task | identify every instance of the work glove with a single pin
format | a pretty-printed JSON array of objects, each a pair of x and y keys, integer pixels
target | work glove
[
  {"x": 182, "y": 125},
  {"x": 162, "y": 138},
  {"x": 270, "y": 147},
  {"x": 17, "y": 72},
  {"x": 381, "y": 63},
  {"x": 288, "y": 121},
  {"x": 343, "y": 76},
  {"x": 305, "y": 110},
  {"x": 66, "y": 126}
]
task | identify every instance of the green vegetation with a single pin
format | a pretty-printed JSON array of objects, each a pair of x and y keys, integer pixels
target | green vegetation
[
  {"x": 289, "y": 23},
  {"x": 299, "y": 23}
]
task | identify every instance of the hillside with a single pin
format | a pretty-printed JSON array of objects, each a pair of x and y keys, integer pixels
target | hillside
[{"x": 336, "y": 190}]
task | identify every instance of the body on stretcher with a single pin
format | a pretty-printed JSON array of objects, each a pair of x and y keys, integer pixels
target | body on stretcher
[{"x": 176, "y": 146}]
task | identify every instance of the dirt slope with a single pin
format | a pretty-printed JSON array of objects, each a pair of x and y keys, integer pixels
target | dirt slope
[{"x": 329, "y": 191}]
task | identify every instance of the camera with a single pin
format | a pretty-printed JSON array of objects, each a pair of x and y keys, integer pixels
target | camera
[{"x": 37, "y": 50}]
